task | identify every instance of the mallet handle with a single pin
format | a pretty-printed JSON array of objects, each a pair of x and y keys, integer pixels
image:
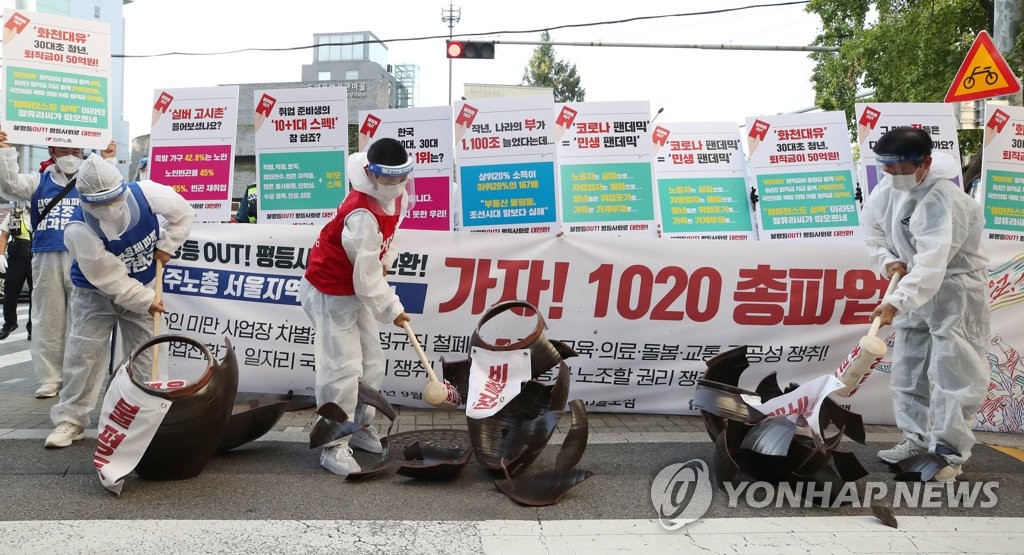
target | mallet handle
[
  {"x": 877, "y": 323},
  {"x": 419, "y": 351},
  {"x": 154, "y": 373}
]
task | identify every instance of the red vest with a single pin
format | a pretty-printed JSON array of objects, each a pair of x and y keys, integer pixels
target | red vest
[{"x": 329, "y": 269}]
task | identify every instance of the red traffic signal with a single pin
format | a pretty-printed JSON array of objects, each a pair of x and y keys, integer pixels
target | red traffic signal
[{"x": 470, "y": 50}]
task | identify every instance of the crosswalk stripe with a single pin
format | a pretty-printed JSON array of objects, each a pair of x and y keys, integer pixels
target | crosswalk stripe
[
  {"x": 15, "y": 358},
  {"x": 16, "y": 337},
  {"x": 718, "y": 535}
]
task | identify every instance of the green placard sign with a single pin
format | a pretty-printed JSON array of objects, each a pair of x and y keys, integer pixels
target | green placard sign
[
  {"x": 704, "y": 205},
  {"x": 807, "y": 200},
  {"x": 56, "y": 98},
  {"x": 302, "y": 180},
  {"x": 1004, "y": 200},
  {"x": 606, "y": 192}
]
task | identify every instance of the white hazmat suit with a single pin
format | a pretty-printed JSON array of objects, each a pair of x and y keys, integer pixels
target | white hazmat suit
[
  {"x": 347, "y": 346},
  {"x": 939, "y": 373},
  {"x": 51, "y": 284},
  {"x": 115, "y": 296}
]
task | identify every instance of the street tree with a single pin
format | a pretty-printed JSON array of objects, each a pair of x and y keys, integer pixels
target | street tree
[
  {"x": 904, "y": 51},
  {"x": 544, "y": 70}
]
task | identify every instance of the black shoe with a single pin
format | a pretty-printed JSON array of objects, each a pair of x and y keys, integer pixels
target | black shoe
[{"x": 6, "y": 330}]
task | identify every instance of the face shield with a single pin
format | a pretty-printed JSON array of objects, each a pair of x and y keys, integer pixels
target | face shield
[
  {"x": 389, "y": 182},
  {"x": 902, "y": 169},
  {"x": 105, "y": 199}
]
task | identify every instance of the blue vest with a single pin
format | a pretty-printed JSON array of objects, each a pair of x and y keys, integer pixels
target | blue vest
[
  {"x": 136, "y": 246},
  {"x": 49, "y": 233}
]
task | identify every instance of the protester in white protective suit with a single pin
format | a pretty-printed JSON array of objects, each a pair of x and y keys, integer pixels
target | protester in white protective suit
[
  {"x": 51, "y": 285},
  {"x": 113, "y": 238},
  {"x": 921, "y": 224},
  {"x": 344, "y": 291}
]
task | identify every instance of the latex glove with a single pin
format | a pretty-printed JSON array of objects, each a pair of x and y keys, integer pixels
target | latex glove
[{"x": 3, "y": 264}]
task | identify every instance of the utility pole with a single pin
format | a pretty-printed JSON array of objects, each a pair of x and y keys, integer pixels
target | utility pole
[
  {"x": 451, "y": 16},
  {"x": 1005, "y": 26}
]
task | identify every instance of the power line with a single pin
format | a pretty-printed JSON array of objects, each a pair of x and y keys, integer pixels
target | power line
[
  {"x": 465, "y": 35},
  {"x": 771, "y": 47}
]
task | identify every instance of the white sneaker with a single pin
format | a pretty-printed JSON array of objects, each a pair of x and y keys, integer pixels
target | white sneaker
[
  {"x": 64, "y": 435},
  {"x": 948, "y": 473},
  {"x": 900, "y": 451},
  {"x": 48, "y": 390},
  {"x": 367, "y": 440},
  {"x": 339, "y": 460}
]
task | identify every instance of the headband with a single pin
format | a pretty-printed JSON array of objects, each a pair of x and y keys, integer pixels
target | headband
[
  {"x": 401, "y": 170},
  {"x": 104, "y": 196},
  {"x": 897, "y": 158}
]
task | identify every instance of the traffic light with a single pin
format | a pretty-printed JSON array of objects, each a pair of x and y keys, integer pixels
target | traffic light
[{"x": 470, "y": 50}]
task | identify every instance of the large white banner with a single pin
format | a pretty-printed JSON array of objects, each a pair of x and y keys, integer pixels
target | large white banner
[{"x": 644, "y": 314}]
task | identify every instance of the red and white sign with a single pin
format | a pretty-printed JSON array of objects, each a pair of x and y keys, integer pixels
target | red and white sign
[
  {"x": 495, "y": 378},
  {"x": 128, "y": 422}
]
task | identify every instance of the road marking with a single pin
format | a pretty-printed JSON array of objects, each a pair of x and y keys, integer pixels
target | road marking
[
  {"x": 1012, "y": 451},
  {"x": 15, "y": 358},
  {"x": 16, "y": 337},
  {"x": 719, "y": 535},
  {"x": 12, "y": 381}
]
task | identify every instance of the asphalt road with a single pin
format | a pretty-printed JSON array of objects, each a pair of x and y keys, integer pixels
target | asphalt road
[{"x": 283, "y": 480}]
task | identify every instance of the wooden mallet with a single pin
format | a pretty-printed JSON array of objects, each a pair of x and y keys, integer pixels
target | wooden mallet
[
  {"x": 154, "y": 373},
  {"x": 439, "y": 394},
  {"x": 855, "y": 370}
]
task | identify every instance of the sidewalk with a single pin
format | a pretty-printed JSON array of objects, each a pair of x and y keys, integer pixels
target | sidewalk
[{"x": 22, "y": 416}]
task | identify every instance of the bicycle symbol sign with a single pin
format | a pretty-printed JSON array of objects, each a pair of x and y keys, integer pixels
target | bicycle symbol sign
[
  {"x": 983, "y": 74},
  {"x": 990, "y": 76}
]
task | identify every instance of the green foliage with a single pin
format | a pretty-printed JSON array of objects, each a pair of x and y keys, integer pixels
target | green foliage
[
  {"x": 906, "y": 50},
  {"x": 544, "y": 70}
]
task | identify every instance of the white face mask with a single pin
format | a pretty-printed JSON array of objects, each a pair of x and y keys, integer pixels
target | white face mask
[
  {"x": 388, "y": 189},
  {"x": 389, "y": 192},
  {"x": 113, "y": 218},
  {"x": 903, "y": 182},
  {"x": 68, "y": 164}
]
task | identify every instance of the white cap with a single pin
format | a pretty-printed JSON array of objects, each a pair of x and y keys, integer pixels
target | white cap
[{"x": 99, "y": 181}]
